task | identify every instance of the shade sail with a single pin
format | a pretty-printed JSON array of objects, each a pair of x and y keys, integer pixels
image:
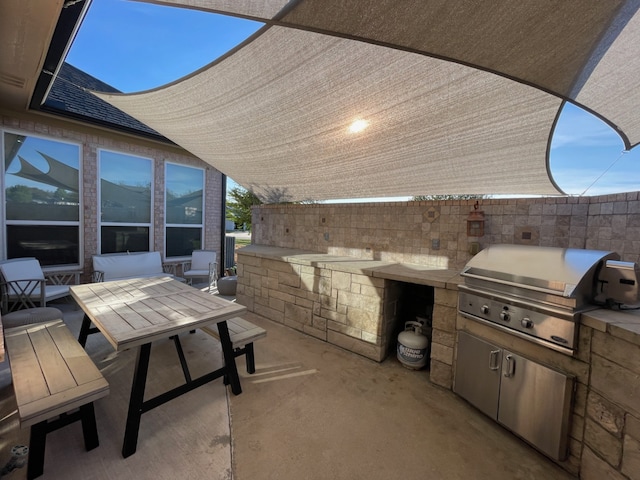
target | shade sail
[{"x": 460, "y": 96}]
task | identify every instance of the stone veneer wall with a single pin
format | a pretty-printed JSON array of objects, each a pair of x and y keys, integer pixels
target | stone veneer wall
[
  {"x": 605, "y": 423},
  {"x": 434, "y": 233},
  {"x": 345, "y": 308},
  {"x": 611, "y": 413}
]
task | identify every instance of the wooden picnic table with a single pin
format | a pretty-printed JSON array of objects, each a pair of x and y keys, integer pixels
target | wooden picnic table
[{"x": 135, "y": 313}]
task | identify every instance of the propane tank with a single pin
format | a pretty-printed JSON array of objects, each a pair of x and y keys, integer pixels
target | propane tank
[{"x": 413, "y": 346}]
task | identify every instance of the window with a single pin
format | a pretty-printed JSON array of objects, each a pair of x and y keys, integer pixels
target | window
[
  {"x": 42, "y": 199},
  {"x": 125, "y": 202},
  {"x": 183, "y": 206}
]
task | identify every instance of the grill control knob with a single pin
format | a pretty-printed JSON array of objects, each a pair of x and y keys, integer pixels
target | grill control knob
[
  {"x": 484, "y": 309},
  {"x": 526, "y": 322},
  {"x": 504, "y": 316}
]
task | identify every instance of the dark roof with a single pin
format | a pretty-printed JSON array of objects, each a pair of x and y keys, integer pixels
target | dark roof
[{"x": 69, "y": 98}]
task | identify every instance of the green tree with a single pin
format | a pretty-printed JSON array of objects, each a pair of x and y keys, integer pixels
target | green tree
[{"x": 239, "y": 203}]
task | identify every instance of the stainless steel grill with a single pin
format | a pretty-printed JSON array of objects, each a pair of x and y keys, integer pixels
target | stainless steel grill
[
  {"x": 539, "y": 294},
  {"x": 536, "y": 292}
]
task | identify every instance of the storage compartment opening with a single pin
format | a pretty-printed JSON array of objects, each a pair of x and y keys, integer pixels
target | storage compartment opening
[{"x": 415, "y": 304}]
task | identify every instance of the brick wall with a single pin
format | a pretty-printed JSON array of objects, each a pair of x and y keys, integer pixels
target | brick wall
[{"x": 91, "y": 140}]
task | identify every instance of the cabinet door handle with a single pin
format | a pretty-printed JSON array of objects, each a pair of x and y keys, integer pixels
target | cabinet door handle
[
  {"x": 511, "y": 366},
  {"x": 493, "y": 360}
]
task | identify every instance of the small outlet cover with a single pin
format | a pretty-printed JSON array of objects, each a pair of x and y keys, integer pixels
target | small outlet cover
[{"x": 435, "y": 244}]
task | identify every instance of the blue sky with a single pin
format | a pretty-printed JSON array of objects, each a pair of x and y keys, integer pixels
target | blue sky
[{"x": 137, "y": 46}]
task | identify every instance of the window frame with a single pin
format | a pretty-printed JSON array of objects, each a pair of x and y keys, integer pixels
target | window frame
[
  {"x": 167, "y": 225},
  {"x": 102, "y": 223},
  {"x": 5, "y": 222}
]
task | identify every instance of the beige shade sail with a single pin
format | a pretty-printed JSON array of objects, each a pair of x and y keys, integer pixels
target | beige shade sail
[{"x": 459, "y": 96}]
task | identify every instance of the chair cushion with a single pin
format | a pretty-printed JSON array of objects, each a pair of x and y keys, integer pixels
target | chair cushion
[
  {"x": 22, "y": 269},
  {"x": 200, "y": 260}
]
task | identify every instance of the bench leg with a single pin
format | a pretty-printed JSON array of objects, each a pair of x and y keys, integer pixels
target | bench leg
[
  {"x": 89, "y": 428},
  {"x": 35, "y": 463},
  {"x": 251, "y": 361}
]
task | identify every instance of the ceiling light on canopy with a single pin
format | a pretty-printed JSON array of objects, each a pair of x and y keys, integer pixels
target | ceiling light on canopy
[{"x": 452, "y": 86}]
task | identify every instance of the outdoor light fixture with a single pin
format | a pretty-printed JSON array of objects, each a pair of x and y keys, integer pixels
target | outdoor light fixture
[
  {"x": 475, "y": 222},
  {"x": 358, "y": 126}
]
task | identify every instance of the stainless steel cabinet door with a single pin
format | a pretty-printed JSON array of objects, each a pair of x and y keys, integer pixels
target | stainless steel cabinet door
[
  {"x": 535, "y": 403},
  {"x": 477, "y": 377}
]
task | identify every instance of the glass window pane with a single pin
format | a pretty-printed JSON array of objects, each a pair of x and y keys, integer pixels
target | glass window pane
[
  {"x": 123, "y": 239},
  {"x": 184, "y": 186},
  {"x": 182, "y": 241},
  {"x": 125, "y": 188},
  {"x": 41, "y": 179},
  {"x": 51, "y": 244}
]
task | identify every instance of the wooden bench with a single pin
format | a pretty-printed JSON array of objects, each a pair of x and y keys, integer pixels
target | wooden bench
[
  {"x": 52, "y": 375},
  {"x": 242, "y": 334}
]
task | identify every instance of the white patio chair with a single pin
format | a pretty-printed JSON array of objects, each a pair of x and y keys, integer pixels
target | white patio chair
[
  {"x": 203, "y": 264},
  {"x": 24, "y": 285}
]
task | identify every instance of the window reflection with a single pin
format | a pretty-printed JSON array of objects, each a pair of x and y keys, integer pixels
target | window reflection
[
  {"x": 41, "y": 191},
  {"x": 184, "y": 201}
]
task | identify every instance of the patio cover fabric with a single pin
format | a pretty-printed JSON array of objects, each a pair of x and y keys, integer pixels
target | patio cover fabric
[{"x": 461, "y": 96}]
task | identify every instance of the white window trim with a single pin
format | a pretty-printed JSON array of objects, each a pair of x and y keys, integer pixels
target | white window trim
[
  {"x": 3, "y": 206},
  {"x": 190, "y": 225}
]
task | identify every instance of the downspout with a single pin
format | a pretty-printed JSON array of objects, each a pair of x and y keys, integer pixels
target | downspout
[{"x": 223, "y": 226}]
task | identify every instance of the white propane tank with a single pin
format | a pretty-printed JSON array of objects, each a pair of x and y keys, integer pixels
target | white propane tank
[{"x": 413, "y": 346}]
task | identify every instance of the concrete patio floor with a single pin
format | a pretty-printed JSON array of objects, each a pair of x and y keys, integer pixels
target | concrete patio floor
[{"x": 311, "y": 411}]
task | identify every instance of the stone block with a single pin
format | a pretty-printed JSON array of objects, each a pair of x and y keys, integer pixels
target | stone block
[
  {"x": 369, "y": 350},
  {"x": 442, "y": 353},
  {"x": 603, "y": 443},
  {"x": 441, "y": 374},
  {"x": 369, "y": 291},
  {"x": 315, "y": 332},
  {"x": 334, "y": 316},
  {"x": 363, "y": 320},
  {"x": 615, "y": 383},
  {"x": 269, "y": 313},
  {"x": 341, "y": 280},
  {"x": 324, "y": 286},
  {"x": 617, "y": 350},
  {"x": 444, "y": 318},
  {"x": 369, "y": 304},
  {"x": 283, "y": 296},
  {"x": 580, "y": 399},
  {"x": 594, "y": 468},
  {"x": 577, "y": 427},
  {"x": 303, "y": 302},
  {"x": 309, "y": 283},
  {"x": 446, "y": 297},
  {"x": 371, "y": 338},
  {"x": 632, "y": 426},
  {"x": 296, "y": 313},
  {"x": 276, "y": 304},
  {"x": 443, "y": 338},
  {"x": 290, "y": 279},
  {"x": 606, "y": 414},
  {"x": 631, "y": 458}
]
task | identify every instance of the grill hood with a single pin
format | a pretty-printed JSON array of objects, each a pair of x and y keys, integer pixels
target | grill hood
[{"x": 565, "y": 276}]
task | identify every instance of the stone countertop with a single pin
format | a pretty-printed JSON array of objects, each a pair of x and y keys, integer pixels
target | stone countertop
[
  {"x": 624, "y": 324},
  {"x": 403, "y": 272}
]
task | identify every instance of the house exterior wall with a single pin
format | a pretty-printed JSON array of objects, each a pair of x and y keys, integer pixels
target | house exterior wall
[{"x": 91, "y": 140}]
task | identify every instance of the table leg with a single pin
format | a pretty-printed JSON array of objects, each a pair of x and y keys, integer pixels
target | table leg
[
  {"x": 229, "y": 358},
  {"x": 136, "y": 401},
  {"x": 84, "y": 330}
]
